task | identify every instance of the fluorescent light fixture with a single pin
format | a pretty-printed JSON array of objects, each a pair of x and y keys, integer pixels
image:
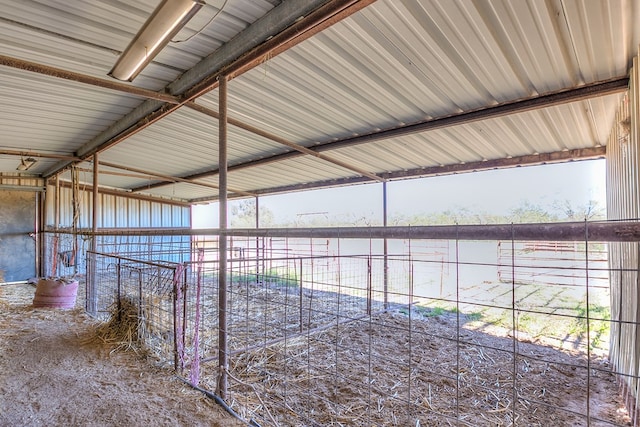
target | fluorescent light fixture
[
  {"x": 165, "y": 22},
  {"x": 25, "y": 164}
]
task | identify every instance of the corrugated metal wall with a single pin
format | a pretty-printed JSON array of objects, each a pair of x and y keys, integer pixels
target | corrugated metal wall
[
  {"x": 623, "y": 202},
  {"x": 115, "y": 211}
]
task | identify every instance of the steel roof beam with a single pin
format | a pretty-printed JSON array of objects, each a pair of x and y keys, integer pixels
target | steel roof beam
[
  {"x": 297, "y": 147},
  {"x": 172, "y": 179},
  {"x": 201, "y": 78},
  {"x": 582, "y": 93},
  {"x": 111, "y": 84},
  {"x": 110, "y": 191},
  {"x": 160, "y": 96},
  {"x": 37, "y": 154},
  {"x": 518, "y": 161}
]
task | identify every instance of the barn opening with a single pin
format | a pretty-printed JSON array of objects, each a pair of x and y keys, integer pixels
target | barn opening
[{"x": 370, "y": 324}]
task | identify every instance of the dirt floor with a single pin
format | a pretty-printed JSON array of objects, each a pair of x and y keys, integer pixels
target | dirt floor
[
  {"x": 360, "y": 379},
  {"x": 54, "y": 372}
]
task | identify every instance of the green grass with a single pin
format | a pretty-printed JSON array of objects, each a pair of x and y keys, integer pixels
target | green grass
[
  {"x": 599, "y": 324},
  {"x": 437, "y": 310},
  {"x": 272, "y": 276}
]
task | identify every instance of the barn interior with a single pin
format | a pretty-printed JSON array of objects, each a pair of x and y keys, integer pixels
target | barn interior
[{"x": 104, "y": 154}]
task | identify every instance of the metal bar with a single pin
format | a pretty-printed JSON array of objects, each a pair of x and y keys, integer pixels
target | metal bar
[
  {"x": 119, "y": 289},
  {"x": 94, "y": 213},
  {"x": 588, "y": 91},
  {"x": 238, "y": 51},
  {"x": 83, "y": 78},
  {"x": 612, "y": 231},
  {"x": 159, "y": 265},
  {"x": 75, "y": 200},
  {"x": 183, "y": 334},
  {"x": 385, "y": 248},
  {"x": 543, "y": 101},
  {"x": 56, "y": 202},
  {"x": 172, "y": 179},
  {"x": 129, "y": 195},
  {"x": 91, "y": 285},
  {"x": 30, "y": 188},
  {"x": 317, "y": 16},
  {"x": 297, "y": 147},
  {"x": 223, "y": 359},
  {"x": 177, "y": 296},
  {"x": 514, "y": 333},
  {"x": 300, "y": 297},
  {"x": 370, "y": 285},
  {"x": 37, "y": 154},
  {"x": 528, "y": 160},
  {"x": 588, "y": 320},
  {"x": 38, "y": 241}
]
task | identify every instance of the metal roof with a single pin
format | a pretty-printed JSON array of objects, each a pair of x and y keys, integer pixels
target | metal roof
[{"x": 331, "y": 92}]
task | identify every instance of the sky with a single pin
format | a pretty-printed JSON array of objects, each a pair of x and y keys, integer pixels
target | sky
[{"x": 493, "y": 192}]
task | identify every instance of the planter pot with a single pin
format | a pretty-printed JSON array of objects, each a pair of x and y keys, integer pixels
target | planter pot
[{"x": 55, "y": 293}]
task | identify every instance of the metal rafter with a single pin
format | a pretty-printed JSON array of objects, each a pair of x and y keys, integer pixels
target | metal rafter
[
  {"x": 38, "y": 154},
  {"x": 297, "y": 147},
  {"x": 149, "y": 94},
  {"x": 112, "y": 84},
  {"x": 128, "y": 194},
  {"x": 172, "y": 179},
  {"x": 245, "y": 50},
  {"x": 565, "y": 96},
  {"x": 528, "y": 160}
]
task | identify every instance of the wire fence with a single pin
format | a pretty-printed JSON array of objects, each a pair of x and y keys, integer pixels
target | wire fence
[{"x": 337, "y": 332}]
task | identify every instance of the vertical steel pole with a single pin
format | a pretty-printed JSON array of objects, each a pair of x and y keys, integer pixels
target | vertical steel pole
[
  {"x": 588, "y": 319},
  {"x": 91, "y": 294},
  {"x": 76, "y": 213},
  {"x": 56, "y": 225},
  {"x": 39, "y": 222},
  {"x": 222, "y": 244},
  {"x": 94, "y": 217},
  {"x": 385, "y": 248},
  {"x": 56, "y": 213},
  {"x": 514, "y": 323},
  {"x": 300, "y": 283},
  {"x": 257, "y": 238}
]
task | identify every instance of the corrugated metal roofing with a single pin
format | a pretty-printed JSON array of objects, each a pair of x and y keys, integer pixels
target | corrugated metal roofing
[{"x": 394, "y": 63}]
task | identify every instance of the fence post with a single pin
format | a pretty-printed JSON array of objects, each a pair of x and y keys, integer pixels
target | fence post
[
  {"x": 370, "y": 285},
  {"x": 300, "y": 286},
  {"x": 119, "y": 291}
]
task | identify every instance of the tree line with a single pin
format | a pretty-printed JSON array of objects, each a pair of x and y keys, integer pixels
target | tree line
[{"x": 242, "y": 215}]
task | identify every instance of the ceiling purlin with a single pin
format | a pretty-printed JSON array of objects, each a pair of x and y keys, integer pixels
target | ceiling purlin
[
  {"x": 171, "y": 179},
  {"x": 528, "y": 160},
  {"x": 170, "y": 99},
  {"x": 581, "y": 93},
  {"x": 239, "y": 54}
]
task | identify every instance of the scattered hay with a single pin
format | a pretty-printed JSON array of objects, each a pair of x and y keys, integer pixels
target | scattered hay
[
  {"x": 124, "y": 328},
  {"x": 373, "y": 372}
]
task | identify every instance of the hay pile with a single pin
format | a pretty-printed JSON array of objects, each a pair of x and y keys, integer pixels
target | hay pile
[
  {"x": 51, "y": 375},
  {"x": 123, "y": 330}
]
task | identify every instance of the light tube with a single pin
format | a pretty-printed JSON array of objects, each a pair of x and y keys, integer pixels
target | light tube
[{"x": 164, "y": 23}]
